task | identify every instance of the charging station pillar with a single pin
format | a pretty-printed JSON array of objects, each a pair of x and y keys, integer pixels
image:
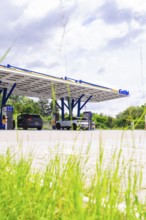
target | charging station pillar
[
  {"x": 88, "y": 116},
  {"x": 7, "y": 112}
]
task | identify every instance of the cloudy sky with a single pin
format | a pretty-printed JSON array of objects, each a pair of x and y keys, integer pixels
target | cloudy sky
[{"x": 99, "y": 41}]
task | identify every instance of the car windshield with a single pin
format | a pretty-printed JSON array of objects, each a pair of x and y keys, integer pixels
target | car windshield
[
  {"x": 75, "y": 118},
  {"x": 35, "y": 116},
  {"x": 29, "y": 115}
]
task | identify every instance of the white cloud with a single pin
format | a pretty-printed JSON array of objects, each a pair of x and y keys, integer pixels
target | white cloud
[
  {"x": 136, "y": 5},
  {"x": 96, "y": 41}
]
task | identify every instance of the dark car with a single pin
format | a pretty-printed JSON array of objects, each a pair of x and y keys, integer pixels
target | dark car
[{"x": 26, "y": 121}]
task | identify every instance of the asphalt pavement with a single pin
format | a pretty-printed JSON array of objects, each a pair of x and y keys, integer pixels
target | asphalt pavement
[{"x": 43, "y": 144}]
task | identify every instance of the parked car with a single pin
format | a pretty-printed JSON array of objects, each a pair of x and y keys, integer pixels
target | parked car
[
  {"x": 73, "y": 122},
  {"x": 26, "y": 121}
]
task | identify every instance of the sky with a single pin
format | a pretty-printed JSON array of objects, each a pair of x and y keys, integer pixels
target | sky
[{"x": 98, "y": 41}]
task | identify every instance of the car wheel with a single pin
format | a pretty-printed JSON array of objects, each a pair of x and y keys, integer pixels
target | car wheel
[
  {"x": 25, "y": 127},
  {"x": 13, "y": 125},
  {"x": 58, "y": 126},
  {"x": 74, "y": 127},
  {"x": 40, "y": 128}
]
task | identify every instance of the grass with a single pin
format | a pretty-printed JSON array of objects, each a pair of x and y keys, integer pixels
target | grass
[{"x": 67, "y": 189}]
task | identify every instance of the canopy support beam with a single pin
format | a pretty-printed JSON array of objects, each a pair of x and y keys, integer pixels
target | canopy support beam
[
  {"x": 5, "y": 96},
  {"x": 71, "y": 105}
]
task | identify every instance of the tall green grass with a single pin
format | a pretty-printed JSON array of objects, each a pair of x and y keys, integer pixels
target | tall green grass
[{"x": 67, "y": 189}]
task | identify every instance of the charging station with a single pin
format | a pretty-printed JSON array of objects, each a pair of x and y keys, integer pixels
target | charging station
[
  {"x": 88, "y": 116},
  {"x": 7, "y": 113},
  {"x": 70, "y": 93}
]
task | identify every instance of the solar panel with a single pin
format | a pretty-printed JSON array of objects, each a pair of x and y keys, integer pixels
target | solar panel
[{"x": 33, "y": 84}]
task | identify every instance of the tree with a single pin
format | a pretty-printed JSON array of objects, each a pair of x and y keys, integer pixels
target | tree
[
  {"x": 31, "y": 107},
  {"x": 54, "y": 107},
  {"x": 16, "y": 102},
  {"x": 23, "y": 104},
  {"x": 100, "y": 120},
  {"x": 45, "y": 108},
  {"x": 132, "y": 114},
  {"x": 111, "y": 121}
]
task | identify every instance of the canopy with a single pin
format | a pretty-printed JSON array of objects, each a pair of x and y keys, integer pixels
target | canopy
[{"x": 34, "y": 84}]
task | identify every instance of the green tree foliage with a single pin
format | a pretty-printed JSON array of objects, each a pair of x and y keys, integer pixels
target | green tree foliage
[
  {"x": 31, "y": 106},
  {"x": 24, "y": 105},
  {"x": 124, "y": 120},
  {"x": 54, "y": 107},
  {"x": 45, "y": 108},
  {"x": 111, "y": 121},
  {"x": 100, "y": 120},
  {"x": 131, "y": 114},
  {"x": 103, "y": 121}
]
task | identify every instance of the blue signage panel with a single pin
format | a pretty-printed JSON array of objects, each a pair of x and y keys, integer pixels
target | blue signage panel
[
  {"x": 8, "y": 108},
  {"x": 123, "y": 92}
]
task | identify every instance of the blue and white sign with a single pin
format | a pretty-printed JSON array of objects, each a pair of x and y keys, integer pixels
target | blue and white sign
[
  {"x": 8, "y": 108},
  {"x": 123, "y": 92}
]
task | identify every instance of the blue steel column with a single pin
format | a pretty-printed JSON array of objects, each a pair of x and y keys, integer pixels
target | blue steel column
[
  {"x": 2, "y": 103},
  {"x": 79, "y": 105},
  {"x": 70, "y": 106},
  {"x": 0, "y": 111},
  {"x": 62, "y": 108},
  {"x": 86, "y": 102},
  {"x": 78, "y": 109},
  {"x": 5, "y": 98}
]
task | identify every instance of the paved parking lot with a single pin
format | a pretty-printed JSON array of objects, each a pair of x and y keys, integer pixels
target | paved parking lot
[{"x": 41, "y": 143}]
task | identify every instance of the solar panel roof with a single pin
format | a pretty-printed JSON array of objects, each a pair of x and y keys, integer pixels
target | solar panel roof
[{"x": 33, "y": 84}]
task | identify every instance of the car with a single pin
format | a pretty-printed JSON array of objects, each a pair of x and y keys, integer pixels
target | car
[
  {"x": 26, "y": 121},
  {"x": 73, "y": 122}
]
